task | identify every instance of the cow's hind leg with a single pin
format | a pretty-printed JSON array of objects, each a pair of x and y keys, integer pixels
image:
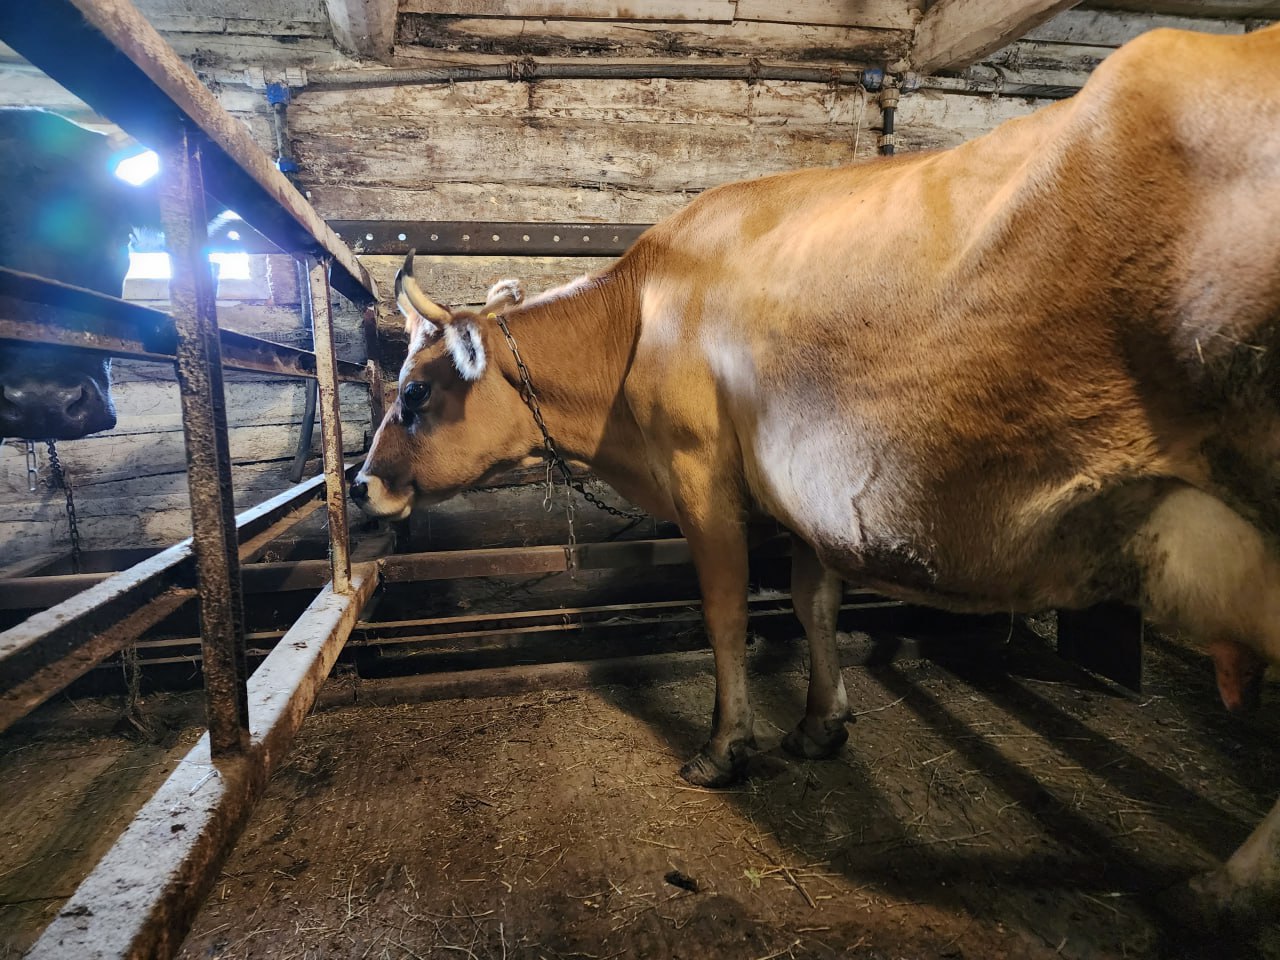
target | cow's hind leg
[
  {"x": 1207, "y": 571},
  {"x": 815, "y": 593}
]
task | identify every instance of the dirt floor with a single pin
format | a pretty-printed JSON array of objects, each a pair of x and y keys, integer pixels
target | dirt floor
[
  {"x": 1009, "y": 808},
  {"x": 1015, "y": 809},
  {"x": 71, "y": 778}
]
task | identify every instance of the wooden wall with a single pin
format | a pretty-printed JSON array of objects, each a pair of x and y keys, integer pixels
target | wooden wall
[{"x": 598, "y": 150}]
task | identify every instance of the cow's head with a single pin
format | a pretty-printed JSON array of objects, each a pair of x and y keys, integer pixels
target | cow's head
[
  {"x": 457, "y": 419},
  {"x": 66, "y": 216}
]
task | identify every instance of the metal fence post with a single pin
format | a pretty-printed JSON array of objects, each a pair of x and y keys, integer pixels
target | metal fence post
[
  {"x": 204, "y": 422},
  {"x": 330, "y": 423},
  {"x": 373, "y": 366}
]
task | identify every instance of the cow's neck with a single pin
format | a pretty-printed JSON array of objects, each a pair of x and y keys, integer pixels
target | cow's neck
[{"x": 577, "y": 344}]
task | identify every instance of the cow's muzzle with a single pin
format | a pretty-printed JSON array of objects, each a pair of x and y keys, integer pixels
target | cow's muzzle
[
  {"x": 49, "y": 410},
  {"x": 372, "y": 495}
]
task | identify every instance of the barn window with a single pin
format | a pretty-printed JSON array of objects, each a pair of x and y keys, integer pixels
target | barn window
[
  {"x": 241, "y": 276},
  {"x": 136, "y": 169}
]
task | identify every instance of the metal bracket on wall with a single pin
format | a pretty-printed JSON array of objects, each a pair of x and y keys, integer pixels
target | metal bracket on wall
[{"x": 488, "y": 238}]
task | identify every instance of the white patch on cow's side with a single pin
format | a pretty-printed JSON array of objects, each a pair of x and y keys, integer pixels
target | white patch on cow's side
[
  {"x": 466, "y": 346},
  {"x": 382, "y": 502},
  {"x": 1209, "y": 571}
]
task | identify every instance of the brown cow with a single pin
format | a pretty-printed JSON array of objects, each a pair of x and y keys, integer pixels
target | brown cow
[{"x": 1037, "y": 370}]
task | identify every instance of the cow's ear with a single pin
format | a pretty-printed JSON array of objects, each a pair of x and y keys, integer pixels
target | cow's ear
[
  {"x": 413, "y": 320},
  {"x": 466, "y": 346}
]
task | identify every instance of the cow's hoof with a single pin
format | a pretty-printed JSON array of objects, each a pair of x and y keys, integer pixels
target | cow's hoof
[
  {"x": 816, "y": 745},
  {"x": 1222, "y": 900},
  {"x": 704, "y": 770}
]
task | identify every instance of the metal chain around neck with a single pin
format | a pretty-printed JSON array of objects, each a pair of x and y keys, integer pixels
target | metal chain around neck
[
  {"x": 60, "y": 480},
  {"x": 553, "y": 452},
  {"x": 33, "y": 467}
]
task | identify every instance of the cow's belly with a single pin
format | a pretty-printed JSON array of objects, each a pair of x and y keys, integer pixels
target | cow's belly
[{"x": 958, "y": 538}]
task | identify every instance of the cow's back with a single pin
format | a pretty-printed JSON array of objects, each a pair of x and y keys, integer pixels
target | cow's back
[{"x": 938, "y": 367}]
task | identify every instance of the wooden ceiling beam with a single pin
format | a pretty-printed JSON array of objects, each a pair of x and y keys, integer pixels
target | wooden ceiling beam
[
  {"x": 366, "y": 28},
  {"x": 955, "y": 34}
]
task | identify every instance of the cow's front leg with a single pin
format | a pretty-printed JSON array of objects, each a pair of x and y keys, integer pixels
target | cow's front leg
[
  {"x": 717, "y": 539},
  {"x": 815, "y": 594},
  {"x": 1248, "y": 884}
]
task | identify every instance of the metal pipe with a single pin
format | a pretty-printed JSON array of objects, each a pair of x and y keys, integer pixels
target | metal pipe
[
  {"x": 979, "y": 80},
  {"x": 330, "y": 425},
  {"x": 527, "y": 68},
  {"x": 888, "y": 108},
  {"x": 307, "y": 429},
  {"x": 278, "y": 97},
  {"x": 373, "y": 365},
  {"x": 204, "y": 422},
  {"x": 306, "y": 433}
]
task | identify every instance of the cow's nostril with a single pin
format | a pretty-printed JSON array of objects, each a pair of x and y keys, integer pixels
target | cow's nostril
[
  {"x": 359, "y": 491},
  {"x": 76, "y": 399}
]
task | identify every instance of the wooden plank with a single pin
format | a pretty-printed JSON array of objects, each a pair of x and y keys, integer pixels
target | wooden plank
[
  {"x": 477, "y": 201},
  {"x": 521, "y": 37},
  {"x": 730, "y": 103},
  {"x": 705, "y": 10},
  {"x": 1257, "y": 9},
  {"x": 307, "y": 11},
  {"x": 235, "y": 53},
  {"x": 648, "y": 156},
  {"x": 957, "y": 33},
  {"x": 366, "y": 28},
  {"x": 885, "y": 14},
  {"x": 1104, "y": 28},
  {"x": 206, "y": 26}
]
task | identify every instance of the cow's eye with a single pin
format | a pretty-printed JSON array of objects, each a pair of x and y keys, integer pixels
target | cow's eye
[{"x": 415, "y": 393}]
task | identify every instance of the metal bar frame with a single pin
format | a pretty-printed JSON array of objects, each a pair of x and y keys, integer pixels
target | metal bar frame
[
  {"x": 143, "y": 895},
  {"x": 92, "y": 616},
  {"x": 204, "y": 423},
  {"x": 330, "y": 423},
  {"x": 36, "y": 310},
  {"x": 489, "y": 237},
  {"x": 152, "y": 94}
]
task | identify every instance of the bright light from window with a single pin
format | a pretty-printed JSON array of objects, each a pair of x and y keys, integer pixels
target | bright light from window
[
  {"x": 148, "y": 266},
  {"x": 155, "y": 266},
  {"x": 231, "y": 266},
  {"x": 139, "y": 168}
]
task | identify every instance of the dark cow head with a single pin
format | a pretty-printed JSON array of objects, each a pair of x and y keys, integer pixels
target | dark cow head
[{"x": 66, "y": 216}]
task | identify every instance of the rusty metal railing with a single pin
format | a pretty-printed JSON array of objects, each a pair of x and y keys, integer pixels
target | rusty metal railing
[{"x": 141, "y": 898}]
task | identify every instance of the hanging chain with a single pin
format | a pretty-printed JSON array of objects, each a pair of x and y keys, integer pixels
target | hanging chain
[
  {"x": 553, "y": 453},
  {"x": 59, "y": 479},
  {"x": 33, "y": 468}
]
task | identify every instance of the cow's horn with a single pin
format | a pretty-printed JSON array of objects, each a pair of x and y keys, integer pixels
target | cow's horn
[{"x": 417, "y": 298}]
